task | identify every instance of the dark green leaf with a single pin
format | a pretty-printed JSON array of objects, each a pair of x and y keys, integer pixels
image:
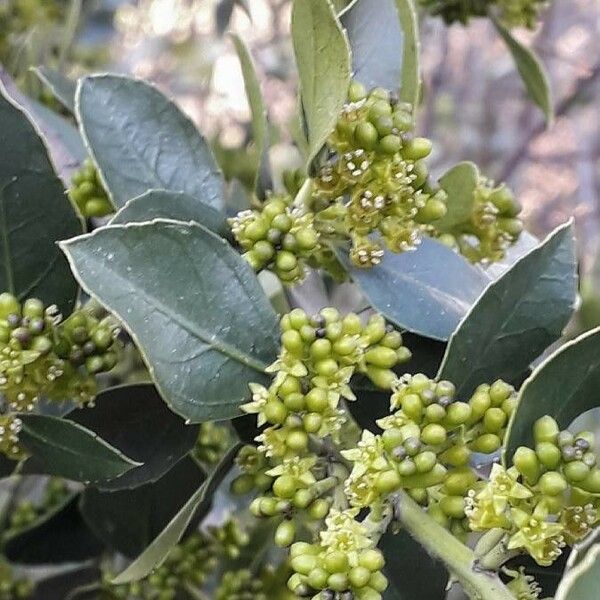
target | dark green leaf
[
  {"x": 60, "y": 536},
  {"x": 564, "y": 386},
  {"x": 531, "y": 70},
  {"x": 427, "y": 291},
  {"x": 383, "y": 37},
  {"x": 157, "y": 551},
  {"x": 64, "y": 448},
  {"x": 34, "y": 214},
  {"x": 517, "y": 317},
  {"x": 134, "y": 418},
  {"x": 199, "y": 315},
  {"x": 260, "y": 132},
  {"x": 140, "y": 140},
  {"x": 62, "y": 88},
  {"x": 411, "y": 572},
  {"x": 160, "y": 204},
  {"x": 128, "y": 520},
  {"x": 77, "y": 577},
  {"x": 459, "y": 183},
  {"x": 323, "y": 60}
]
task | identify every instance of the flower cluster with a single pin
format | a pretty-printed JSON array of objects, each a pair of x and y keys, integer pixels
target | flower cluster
[
  {"x": 342, "y": 565},
  {"x": 547, "y": 499},
  {"x": 88, "y": 193},
  {"x": 426, "y": 445},
  {"x": 213, "y": 441},
  {"x": 12, "y": 588},
  {"x": 513, "y": 13},
  {"x": 280, "y": 237},
  {"x": 375, "y": 179},
  {"x": 190, "y": 563},
  {"x": 26, "y": 511},
  {"x": 493, "y": 225},
  {"x": 42, "y": 356},
  {"x": 319, "y": 356}
]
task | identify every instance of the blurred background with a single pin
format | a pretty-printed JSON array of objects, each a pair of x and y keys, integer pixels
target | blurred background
[{"x": 474, "y": 106}]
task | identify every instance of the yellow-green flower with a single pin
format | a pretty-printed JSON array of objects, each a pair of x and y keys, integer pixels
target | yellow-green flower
[
  {"x": 344, "y": 533},
  {"x": 543, "y": 540}
]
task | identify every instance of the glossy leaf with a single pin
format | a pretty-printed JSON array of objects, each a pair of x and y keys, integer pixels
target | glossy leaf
[
  {"x": 516, "y": 318},
  {"x": 59, "y": 536},
  {"x": 564, "y": 386},
  {"x": 34, "y": 214},
  {"x": 323, "y": 60},
  {"x": 157, "y": 551},
  {"x": 64, "y": 448},
  {"x": 134, "y": 419},
  {"x": 128, "y": 520},
  {"x": 411, "y": 572},
  {"x": 427, "y": 291},
  {"x": 62, "y": 88},
  {"x": 531, "y": 70},
  {"x": 200, "y": 317},
  {"x": 383, "y": 37},
  {"x": 140, "y": 140},
  {"x": 459, "y": 183},
  {"x": 161, "y": 204},
  {"x": 260, "y": 132}
]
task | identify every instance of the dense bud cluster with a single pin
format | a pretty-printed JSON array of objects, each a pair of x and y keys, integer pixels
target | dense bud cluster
[
  {"x": 319, "y": 356},
  {"x": 426, "y": 445},
  {"x": 513, "y": 13},
  {"x": 547, "y": 499},
  {"x": 375, "y": 178},
  {"x": 493, "y": 225},
  {"x": 26, "y": 511},
  {"x": 342, "y": 565},
  {"x": 12, "y": 588},
  {"x": 240, "y": 585},
  {"x": 213, "y": 441},
  {"x": 190, "y": 563},
  {"x": 88, "y": 193},
  {"x": 42, "y": 356},
  {"x": 280, "y": 237}
]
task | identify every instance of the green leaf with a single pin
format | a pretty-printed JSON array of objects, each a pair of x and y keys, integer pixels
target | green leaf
[
  {"x": 260, "y": 132},
  {"x": 383, "y": 37},
  {"x": 128, "y": 520},
  {"x": 140, "y": 140},
  {"x": 565, "y": 386},
  {"x": 34, "y": 214},
  {"x": 62, "y": 88},
  {"x": 157, "y": 551},
  {"x": 580, "y": 580},
  {"x": 59, "y": 536},
  {"x": 161, "y": 204},
  {"x": 517, "y": 317},
  {"x": 200, "y": 317},
  {"x": 135, "y": 419},
  {"x": 66, "y": 449},
  {"x": 411, "y": 572},
  {"x": 531, "y": 70},
  {"x": 323, "y": 60},
  {"x": 459, "y": 183},
  {"x": 427, "y": 291}
]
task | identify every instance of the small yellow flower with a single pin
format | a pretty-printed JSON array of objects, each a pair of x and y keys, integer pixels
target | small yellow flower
[{"x": 542, "y": 539}]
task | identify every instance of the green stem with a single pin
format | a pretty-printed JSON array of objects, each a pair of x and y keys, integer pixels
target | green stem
[
  {"x": 304, "y": 194},
  {"x": 460, "y": 560}
]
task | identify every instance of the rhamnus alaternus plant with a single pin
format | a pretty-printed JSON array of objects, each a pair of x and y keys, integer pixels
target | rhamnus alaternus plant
[{"x": 369, "y": 410}]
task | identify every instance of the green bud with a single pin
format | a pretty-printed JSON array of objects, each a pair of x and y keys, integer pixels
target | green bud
[
  {"x": 494, "y": 420},
  {"x": 336, "y": 562},
  {"x": 285, "y": 261},
  {"x": 545, "y": 429},
  {"x": 366, "y": 135},
  {"x": 390, "y": 144},
  {"x": 576, "y": 471},
  {"x": 425, "y": 461},
  {"x": 382, "y": 357},
  {"x": 453, "y": 506},
  {"x": 338, "y": 582},
  {"x": 284, "y": 486},
  {"x": 371, "y": 559},
  {"x": 549, "y": 454},
  {"x": 486, "y": 443},
  {"x": 359, "y": 577},
  {"x": 382, "y": 378},
  {"x": 312, "y": 422},
  {"x": 592, "y": 482},
  {"x": 433, "y": 210},
  {"x": 356, "y": 92},
  {"x": 285, "y": 533},
  {"x": 317, "y": 578},
  {"x": 304, "y": 563},
  {"x": 275, "y": 412},
  {"x": 387, "y": 482},
  {"x": 552, "y": 483},
  {"x": 292, "y": 342},
  {"x": 527, "y": 463},
  {"x": 458, "y": 413},
  {"x": 417, "y": 148},
  {"x": 318, "y": 509},
  {"x": 412, "y": 407},
  {"x": 433, "y": 434}
]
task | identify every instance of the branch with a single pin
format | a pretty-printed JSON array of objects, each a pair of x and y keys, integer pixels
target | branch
[
  {"x": 479, "y": 584},
  {"x": 562, "y": 108}
]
